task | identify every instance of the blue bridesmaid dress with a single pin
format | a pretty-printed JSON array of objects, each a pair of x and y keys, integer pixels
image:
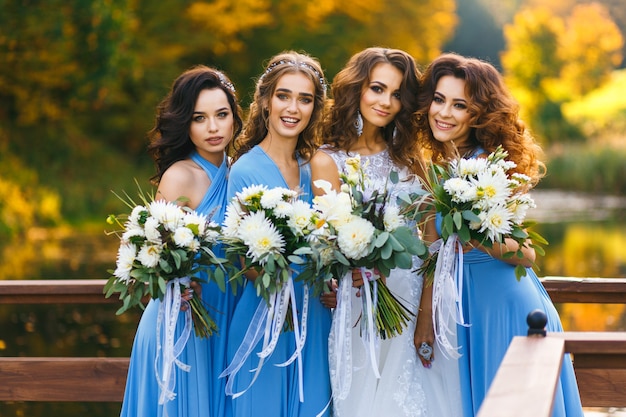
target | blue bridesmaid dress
[
  {"x": 199, "y": 392},
  {"x": 276, "y": 390},
  {"x": 495, "y": 307}
]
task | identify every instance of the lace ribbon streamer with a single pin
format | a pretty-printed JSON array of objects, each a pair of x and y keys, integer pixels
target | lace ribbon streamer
[
  {"x": 340, "y": 338},
  {"x": 447, "y": 292},
  {"x": 267, "y": 323},
  {"x": 168, "y": 314}
]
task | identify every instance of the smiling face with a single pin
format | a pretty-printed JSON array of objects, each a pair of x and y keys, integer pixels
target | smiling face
[
  {"x": 212, "y": 124},
  {"x": 291, "y": 105},
  {"x": 448, "y": 114},
  {"x": 380, "y": 98}
]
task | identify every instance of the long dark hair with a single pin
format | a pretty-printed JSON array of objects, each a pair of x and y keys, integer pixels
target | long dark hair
[
  {"x": 347, "y": 87},
  {"x": 169, "y": 138},
  {"x": 256, "y": 125}
]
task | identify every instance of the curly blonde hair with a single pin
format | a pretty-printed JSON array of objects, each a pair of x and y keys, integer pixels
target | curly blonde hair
[
  {"x": 494, "y": 114},
  {"x": 256, "y": 127}
]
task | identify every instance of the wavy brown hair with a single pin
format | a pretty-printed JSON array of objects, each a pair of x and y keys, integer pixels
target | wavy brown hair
[
  {"x": 347, "y": 88},
  {"x": 494, "y": 114},
  {"x": 169, "y": 138},
  {"x": 256, "y": 127}
]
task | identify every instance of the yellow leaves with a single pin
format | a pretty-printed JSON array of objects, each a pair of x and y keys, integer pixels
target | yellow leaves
[{"x": 227, "y": 18}]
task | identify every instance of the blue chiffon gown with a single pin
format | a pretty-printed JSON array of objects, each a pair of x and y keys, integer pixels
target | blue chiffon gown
[
  {"x": 495, "y": 307},
  {"x": 199, "y": 392},
  {"x": 276, "y": 390}
]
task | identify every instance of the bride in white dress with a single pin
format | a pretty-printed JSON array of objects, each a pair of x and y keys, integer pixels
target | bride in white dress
[{"x": 375, "y": 96}]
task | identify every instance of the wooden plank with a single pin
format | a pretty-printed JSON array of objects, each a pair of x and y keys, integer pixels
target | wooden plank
[
  {"x": 586, "y": 290},
  {"x": 593, "y": 342},
  {"x": 602, "y": 387},
  {"x": 65, "y": 291},
  {"x": 525, "y": 383},
  {"x": 63, "y": 379}
]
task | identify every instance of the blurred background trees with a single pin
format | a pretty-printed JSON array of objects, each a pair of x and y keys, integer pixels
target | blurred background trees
[{"x": 80, "y": 79}]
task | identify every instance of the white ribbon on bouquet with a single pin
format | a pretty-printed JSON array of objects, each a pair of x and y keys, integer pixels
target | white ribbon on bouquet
[
  {"x": 267, "y": 323},
  {"x": 167, "y": 318},
  {"x": 447, "y": 292},
  {"x": 340, "y": 338}
]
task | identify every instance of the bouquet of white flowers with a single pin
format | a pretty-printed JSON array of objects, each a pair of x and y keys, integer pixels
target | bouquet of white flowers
[
  {"x": 266, "y": 230},
  {"x": 360, "y": 229},
  {"x": 163, "y": 248},
  {"x": 478, "y": 200},
  {"x": 164, "y": 245}
]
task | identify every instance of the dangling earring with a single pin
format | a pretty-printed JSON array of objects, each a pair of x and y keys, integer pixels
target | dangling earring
[
  {"x": 358, "y": 123},
  {"x": 394, "y": 133}
]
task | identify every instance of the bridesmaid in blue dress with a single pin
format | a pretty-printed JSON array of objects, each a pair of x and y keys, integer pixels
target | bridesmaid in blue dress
[
  {"x": 466, "y": 110},
  {"x": 196, "y": 122},
  {"x": 274, "y": 150}
]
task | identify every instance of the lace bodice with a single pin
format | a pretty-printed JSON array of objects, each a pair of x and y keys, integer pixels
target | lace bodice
[{"x": 377, "y": 168}]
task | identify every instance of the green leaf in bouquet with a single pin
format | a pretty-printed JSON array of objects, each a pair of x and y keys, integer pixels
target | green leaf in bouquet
[
  {"x": 387, "y": 250},
  {"x": 447, "y": 226},
  {"x": 519, "y": 233},
  {"x": 520, "y": 272},
  {"x": 162, "y": 285},
  {"x": 457, "y": 217},
  {"x": 540, "y": 251},
  {"x": 266, "y": 279},
  {"x": 537, "y": 238},
  {"x": 341, "y": 258},
  {"x": 396, "y": 245},
  {"x": 403, "y": 260},
  {"x": 176, "y": 256},
  {"x": 394, "y": 177},
  {"x": 294, "y": 259},
  {"x": 469, "y": 215},
  {"x": 464, "y": 233},
  {"x": 219, "y": 277},
  {"x": 381, "y": 239}
]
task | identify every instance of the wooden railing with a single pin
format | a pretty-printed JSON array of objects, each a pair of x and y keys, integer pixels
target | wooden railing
[
  {"x": 524, "y": 385},
  {"x": 526, "y": 381}
]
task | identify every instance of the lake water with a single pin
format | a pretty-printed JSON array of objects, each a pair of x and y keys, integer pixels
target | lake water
[{"x": 587, "y": 236}]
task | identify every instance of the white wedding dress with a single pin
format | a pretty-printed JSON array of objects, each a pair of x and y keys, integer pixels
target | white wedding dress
[{"x": 405, "y": 387}]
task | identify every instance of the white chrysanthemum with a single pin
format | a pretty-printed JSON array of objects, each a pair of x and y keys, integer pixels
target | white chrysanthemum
[
  {"x": 168, "y": 214},
  {"x": 212, "y": 233},
  {"x": 125, "y": 259},
  {"x": 194, "y": 245},
  {"x": 151, "y": 228},
  {"x": 183, "y": 236},
  {"x": 132, "y": 232},
  {"x": 519, "y": 208},
  {"x": 261, "y": 237},
  {"x": 200, "y": 220},
  {"x": 283, "y": 209},
  {"x": 300, "y": 218},
  {"x": 465, "y": 168},
  {"x": 497, "y": 222},
  {"x": 232, "y": 219},
  {"x": 334, "y": 208},
  {"x": 460, "y": 190},
  {"x": 251, "y": 224},
  {"x": 137, "y": 212},
  {"x": 492, "y": 189},
  {"x": 251, "y": 193},
  {"x": 272, "y": 197},
  {"x": 149, "y": 255},
  {"x": 354, "y": 237},
  {"x": 505, "y": 164},
  {"x": 392, "y": 219}
]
